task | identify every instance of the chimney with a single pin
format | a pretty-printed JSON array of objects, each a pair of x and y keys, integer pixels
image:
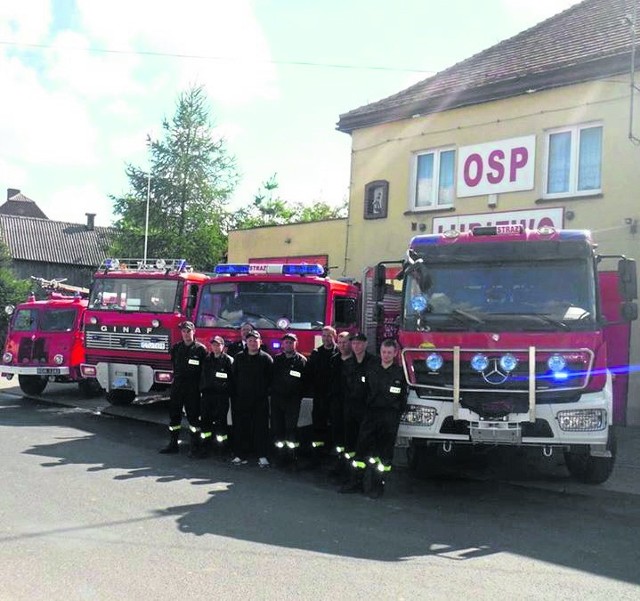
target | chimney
[
  {"x": 12, "y": 192},
  {"x": 91, "y": 218}
]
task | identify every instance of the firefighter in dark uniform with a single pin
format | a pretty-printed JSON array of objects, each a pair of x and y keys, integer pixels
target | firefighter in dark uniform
[
  {"x": 286, "y": 396},
  {"x": 240, "y": 345},
  {"x": 336, "y": 404},
  {"x": 187, "y": 357},
  {"x": 216, "y": 383},
  {"x": 386, "y": 399},
  {"x": 354, "y": 380},
  {"x": 252, "y": 373},
  {"x": 318, "y": 376}
]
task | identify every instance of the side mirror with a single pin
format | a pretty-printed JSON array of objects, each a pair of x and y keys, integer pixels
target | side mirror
[
  {"x": 629, "y": 311},
  {"x": 627, "y": 279},
  {"x": 379, "y": 282}
]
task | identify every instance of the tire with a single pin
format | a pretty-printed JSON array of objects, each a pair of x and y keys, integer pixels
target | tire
[
  {"x": 121, "y": 397},
  {"x": 32, "y": 384},
  {"x": 89, "y": 388},
  {"x": 592, "y": 470}
]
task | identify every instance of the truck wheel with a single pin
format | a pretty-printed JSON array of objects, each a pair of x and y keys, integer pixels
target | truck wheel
[
  {"x": 121, "y": 397},
  {"x": 89, "y": 388},
  {"x": 32, "y": 384},
  {"x": 592, "y": 470},
  {"x": 423, "y": 460}
]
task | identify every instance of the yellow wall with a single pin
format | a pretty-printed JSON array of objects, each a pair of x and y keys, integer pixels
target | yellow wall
[{"x": 319, "y": 238}]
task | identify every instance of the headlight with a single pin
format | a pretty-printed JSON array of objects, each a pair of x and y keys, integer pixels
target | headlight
[
  {"x": 508, "y": 362},
  {"x": 7, "y": 357},
  {"x": 93, "y": 321},
  {"x": 434, "y": 361},
  {"x": 479, "y": 362},
  {"x": 582, "y": 420},
  {"x": 556, "y": 363},
  {"x": 58, "y": 359},
  {"x": 417, "y": 415},
  {"x": 9, "y": 309}
]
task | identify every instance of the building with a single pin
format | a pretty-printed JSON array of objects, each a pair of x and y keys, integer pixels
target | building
[
  {"x": 542, "y": 128},
  {"x": 50, "y": 249}
]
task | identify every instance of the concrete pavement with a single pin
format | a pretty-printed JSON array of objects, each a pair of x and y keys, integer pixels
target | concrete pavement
[{"x": 536, "y": 471}]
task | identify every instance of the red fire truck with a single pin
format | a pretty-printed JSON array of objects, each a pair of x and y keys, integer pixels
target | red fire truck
[
  {"x": 293, "y": 297},
  {"x": 132, "y": 322},
  {"x": 44, "y": 342},
  {"x": 504, "y": 338}
]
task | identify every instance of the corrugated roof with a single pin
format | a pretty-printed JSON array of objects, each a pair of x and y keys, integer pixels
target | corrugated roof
[
  {"x": 33, "y": 239},
  {"x": 588, "y": 41},
  {"x": 19, "y": 204}
]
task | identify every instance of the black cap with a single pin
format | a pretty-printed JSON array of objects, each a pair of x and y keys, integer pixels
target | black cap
[
  {"x": 290, "y": 336},
  {"x": 186, "y": 325},
  {"x": 253, "y": 334},
  {"x": 218, "y": 339},
  {"x": 358, "y": 336}
]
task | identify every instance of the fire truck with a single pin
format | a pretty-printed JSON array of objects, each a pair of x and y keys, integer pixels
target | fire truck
[
  {"x": 276, "y": 298},
  {"x": 131, "y": 323},
  {"x": 44, "y": 342},
  {"x": 505, "y": 336}
]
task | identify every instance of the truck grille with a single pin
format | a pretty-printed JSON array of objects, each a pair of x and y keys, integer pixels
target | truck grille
[
  {"x": 31, "y": 351},
  {"x": 158, "y": 342}
]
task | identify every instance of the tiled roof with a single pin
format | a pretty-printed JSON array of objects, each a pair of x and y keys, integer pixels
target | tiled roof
[
  {"x": 33, "y": 239},
  {"x": 588, "y": 41},
  {"x": 19, "y": 204}
]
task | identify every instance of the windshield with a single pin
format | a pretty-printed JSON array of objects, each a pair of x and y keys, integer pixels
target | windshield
[
  {"x": 49, "y": 320},
  {"x": 264, "y": 304},
  {"x": 525, "y": 295},
  {"x": 25, "y": 320},
  {"x": 126, "y": 294}
]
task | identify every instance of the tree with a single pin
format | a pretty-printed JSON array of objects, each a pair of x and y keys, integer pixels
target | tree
[
  {"x": 192, "y": 177},
  {"x": 12, "y": 290},
  {"x": 268, "y": 208}
]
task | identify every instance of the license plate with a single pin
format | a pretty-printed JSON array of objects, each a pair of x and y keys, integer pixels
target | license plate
[
  {"x": 156, "y": 346},
  {"x": 496, "y": 433},
  {"x": 48, "y": 371},
  {"x": 121, "y": 383}
]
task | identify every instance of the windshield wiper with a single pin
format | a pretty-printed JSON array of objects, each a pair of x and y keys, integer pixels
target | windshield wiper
[
  {"x": 260, "y": 316},
  {"x": 467, "y": 317},
  {"x": 539, "y": 317}
]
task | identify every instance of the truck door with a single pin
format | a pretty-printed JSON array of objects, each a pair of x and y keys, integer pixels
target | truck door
[{"x": 617, "y": 338}]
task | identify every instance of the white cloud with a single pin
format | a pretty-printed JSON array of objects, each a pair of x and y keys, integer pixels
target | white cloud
[
  {"x": 26, "y": 21},
  {"x": 530, "y": 12},
  {"x": 72, "y": 202}
]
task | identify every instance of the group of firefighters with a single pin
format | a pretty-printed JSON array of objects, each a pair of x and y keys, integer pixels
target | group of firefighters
[{"x": 357, "y": 402}]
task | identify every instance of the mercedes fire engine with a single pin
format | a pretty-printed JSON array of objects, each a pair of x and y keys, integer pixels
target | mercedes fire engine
[
  {"x": 44, "y": 342},
  {"x": 275, "y": 298},
  {"x": 504, "y": 342},
  {"x": 132, "y": 322}
]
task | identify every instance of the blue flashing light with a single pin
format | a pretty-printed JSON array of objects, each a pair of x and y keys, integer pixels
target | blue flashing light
[
  {"x": 425, "y": 240},
  {"x": 434, "y": 361},
  {"x": 275, "y": 344},
  {"x": 111, "y": 263},
  {"x": 573, "y": 235},
  {"x": 231, "y": 269},
  {"x": 181, "y": 264},
  {"x": 508, "y": 362},
  {"x": 556, "y": 363},
  {"x": 560, "y": 375},
  {"x": 479, "y": 362},
  {"x": 302, "y": 269},
  {"x": 419, "y": 303}
]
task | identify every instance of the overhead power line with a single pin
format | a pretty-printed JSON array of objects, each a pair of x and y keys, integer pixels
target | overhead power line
[{"x": 219, "y": 58}]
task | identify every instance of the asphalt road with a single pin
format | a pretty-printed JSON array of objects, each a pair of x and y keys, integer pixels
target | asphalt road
[{"x": 90, "y": 510}]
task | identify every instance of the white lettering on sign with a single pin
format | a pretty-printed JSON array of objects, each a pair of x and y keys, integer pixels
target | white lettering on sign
[
  {"x": 530, "y": 219},
  {"x": 496, "y": 167}
]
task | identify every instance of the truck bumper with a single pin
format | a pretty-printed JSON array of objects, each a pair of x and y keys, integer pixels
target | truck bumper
[
  {"x": 35, "y": 371},
  {"x": 585, "y": 422},
  {"x": 122, "y": 376}
]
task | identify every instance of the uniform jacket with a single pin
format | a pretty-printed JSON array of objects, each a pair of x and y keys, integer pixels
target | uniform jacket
[
  {"x": 217, "y": 374},
  {"x": 318, "y": 374},
  {"x": 354, "y": 379},
  {"x": 252, "y": 376},
  {"x": 187, "y": 363},
  {"x": 288, "y": 374},
  {"x": 387, "y": 388}
]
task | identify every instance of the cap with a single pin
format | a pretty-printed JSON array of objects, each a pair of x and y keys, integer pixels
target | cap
[
  {"x": 186, "y": 325},
  {"x": 289, "y": 336},
  {"x": 218, "y": 339},
  {"x": 253, "y": 334},
  {"x": 359, "y": 336}
]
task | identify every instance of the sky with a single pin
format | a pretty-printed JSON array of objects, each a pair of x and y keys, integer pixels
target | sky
[{"x": 84, "y": 82}]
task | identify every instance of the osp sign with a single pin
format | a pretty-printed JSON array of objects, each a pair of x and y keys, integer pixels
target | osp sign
[{"x": 496, "y": 167}]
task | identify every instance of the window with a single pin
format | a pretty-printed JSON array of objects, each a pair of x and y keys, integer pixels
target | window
[
  {"x": 345, "y": 314},
  {"x": 433, "y": 179},
  {"x": 574, "y": 161}
]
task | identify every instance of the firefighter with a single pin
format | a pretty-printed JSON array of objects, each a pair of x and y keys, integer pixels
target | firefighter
[
  {"x": 252, "y": 373},
  {"x": 187, "y": 357},
  {"x": 386, "y": 399},
  {"x": 354, "y": 379},
  {"x": 286, "y": 396},
  {"x": 240, "y": 345},
  {"x": 216, "y": 383},
  {"x": 318, "y": 376},
  {"x": 336, "y": 404}
]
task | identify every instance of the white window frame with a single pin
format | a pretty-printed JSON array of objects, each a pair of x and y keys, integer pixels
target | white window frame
[
  {"x": 574, "y": 130},
  {"x": 436, "y": 152}
]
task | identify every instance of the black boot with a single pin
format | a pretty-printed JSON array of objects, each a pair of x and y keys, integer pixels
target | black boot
[
  {"x": 354, "y": 484},
  {"x": 194, "y": 444},
  {"x": 172, "y": 447},
  {"x": 376, "y": 488},
  {"x": 206, "y": 446}
]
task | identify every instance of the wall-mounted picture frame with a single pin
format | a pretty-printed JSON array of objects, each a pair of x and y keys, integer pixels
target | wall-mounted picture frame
[{"x": 376, "y": 199}]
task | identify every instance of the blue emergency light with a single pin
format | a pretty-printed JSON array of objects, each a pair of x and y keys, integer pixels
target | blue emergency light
[
  {"x": 302, "y": 269},
  {"x": 268, "y": 269},
  {"x": 231, "y": 269}
]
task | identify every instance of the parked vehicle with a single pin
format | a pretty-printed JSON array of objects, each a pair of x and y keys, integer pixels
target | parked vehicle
[
  {"x": 45, "y": 340},
  {"x": 506, "y": 335}
]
